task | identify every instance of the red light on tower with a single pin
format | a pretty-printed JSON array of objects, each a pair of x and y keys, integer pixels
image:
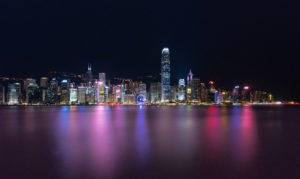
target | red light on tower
[
  {"x": 211, "y": 82},
  {"x": 246, "y": 87}
]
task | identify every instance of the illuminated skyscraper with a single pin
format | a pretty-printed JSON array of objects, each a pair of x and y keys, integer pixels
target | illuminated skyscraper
[
  {"x": 45, "y": 93},
  {"x": 89, "y": 75},
  {"x": 196, "y": 89},
  {"x": 12, "y": 94},
  {"x": 235, "y": 94},
  {"x": 246, "y": 94},
  {"x": 119, "y": 94},
  {"x": 165, "y": 76},
  {"x": 53, "y": 98},
  {"x": 181, "y": 90},
  {"x": 81, "y": 95},
  {"x": 142, "y": 93},
  {"x": 73, "y": 96},
  {"x": 155, "y": 92},
  {"x": 203, "y": 93},
  {"x": 101, "y": 88},
  {"x": 212, "y": 92},
  {"x": 64, "y": 97},
  {"x": 32, "y": 93},
  {"x": 189, "y": 86}
]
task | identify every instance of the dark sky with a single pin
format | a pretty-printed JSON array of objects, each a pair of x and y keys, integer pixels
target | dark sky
[{"x": 252, "y": 42}]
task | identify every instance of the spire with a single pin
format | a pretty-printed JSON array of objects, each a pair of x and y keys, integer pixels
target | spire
[{"x": 89, "y": 67}]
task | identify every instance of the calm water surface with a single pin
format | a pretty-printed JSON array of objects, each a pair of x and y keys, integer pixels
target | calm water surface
[{"x": 150, "y": 142}]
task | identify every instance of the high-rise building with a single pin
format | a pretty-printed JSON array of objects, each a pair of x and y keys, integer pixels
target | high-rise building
[
  {"x": 64, "y": 97},
  {"x": 189, "y": 86},
  {"x": 81, "y": 95},
  {"x": 89, "y": 75},
  {"x": 90, "y": 94},
  {"x": 101, "y": 88},
  {"x": 212, "y": 92},
  {"x": 119, "y": 94},
  {"x": 73, "y": 96},
  {"x": 32, "y": 94},
  {"x": 196, "y": 89},
  {"x": 53, "y": 97},
  {"x": 246, "y": 94},
  {"x": 181, "y": 90},
  {"x": 165, "y": 76},
  {"x": 44, "y": 82},
  {"x": 155, "y": 92},
  {"x": 235, "y": 96},
  {"x": 13, "y": 95},
  {"x": 44, "y": 90},
  {"x": 29, "y": 81},
  {"x": 142, "y": 93},
  {"x": 203, "y": 93}
]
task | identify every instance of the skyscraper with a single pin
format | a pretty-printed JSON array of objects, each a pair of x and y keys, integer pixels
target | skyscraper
[
  {"x": 89, "y": 75},
  {"x": 212, "y": 92},
  {"x": 203, "y": 93},
  {"x": 118, "y": 91},
  {"x": 73, "y": 96},
  {"x": 64, "y": 97},
  {"x": 53, "y": 91},
  {"x": 165, "y": 76},
  {"x": 12, "y": 94},
  {"x": 155, "y": 90},
  {"x": 32, "y": 93},
  {"x": 196, "y": 89},
  {"x": 101, "y": 88},
  {"x": 44, "y": 90},
  {"x": 44, "y": 82},
  {"x": 181, "y": 90},
  {"x": 81, "y": 95},
  {"x": 142, "y": 93},
  {"x": 189, "y": 86}
]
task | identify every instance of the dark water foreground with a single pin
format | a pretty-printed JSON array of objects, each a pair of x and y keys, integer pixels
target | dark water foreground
[{"x": 150, "y": 142}]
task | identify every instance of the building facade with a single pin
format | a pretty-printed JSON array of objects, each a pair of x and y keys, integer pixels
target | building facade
[{"x": 165, "y": 76}]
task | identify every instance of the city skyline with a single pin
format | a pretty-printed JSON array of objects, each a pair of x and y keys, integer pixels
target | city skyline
[
  {"x": 227, "y": 42},
  {"x": 88, "y": 90},
  {"x": 171, "y": 80}
]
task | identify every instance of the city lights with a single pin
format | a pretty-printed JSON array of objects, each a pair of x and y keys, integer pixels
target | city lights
[{"x": 78, "y": 89}]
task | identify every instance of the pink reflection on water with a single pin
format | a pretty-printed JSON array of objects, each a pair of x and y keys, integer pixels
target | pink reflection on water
[
  {"x": 102, "y": 146},
  {"x": 248, "y": 135},
  {"x": 213, "y": 131}
]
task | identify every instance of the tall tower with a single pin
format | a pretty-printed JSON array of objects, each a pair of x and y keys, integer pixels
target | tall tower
[
  {"x": 89, "y": 75},
  {"x": 101, "y": 87},
  {"x": 189, "y": 86},
  {"x": 165, "y": 76}
]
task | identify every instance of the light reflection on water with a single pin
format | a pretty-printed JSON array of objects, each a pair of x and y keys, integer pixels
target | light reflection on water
[{"x": 116, "y": 141}]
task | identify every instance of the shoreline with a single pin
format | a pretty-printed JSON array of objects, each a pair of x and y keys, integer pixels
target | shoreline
[{"x": 200, "y": 104}]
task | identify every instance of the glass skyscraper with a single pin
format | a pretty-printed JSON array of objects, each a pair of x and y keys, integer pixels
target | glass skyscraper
[
  {"x": 165, "y": 76},
  {"x": 101, "y": 88}
]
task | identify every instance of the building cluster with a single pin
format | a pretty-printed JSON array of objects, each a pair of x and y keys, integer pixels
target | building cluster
[{"x": 87, "y": 89}]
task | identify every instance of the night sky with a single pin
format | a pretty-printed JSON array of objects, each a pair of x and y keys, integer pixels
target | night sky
[{"x": 254, "y": 42}]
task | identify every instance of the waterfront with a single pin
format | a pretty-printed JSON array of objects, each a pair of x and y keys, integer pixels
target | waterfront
[{"x": 149, "y": 141}]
